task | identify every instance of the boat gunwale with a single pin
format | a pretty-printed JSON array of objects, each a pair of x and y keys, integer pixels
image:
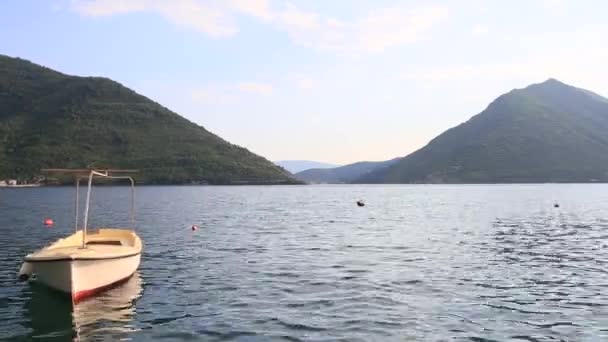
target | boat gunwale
[{"x": 33, "y": 259}]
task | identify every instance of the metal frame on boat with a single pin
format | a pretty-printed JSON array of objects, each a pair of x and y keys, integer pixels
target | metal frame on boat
[{"x": 86, "y": 263}]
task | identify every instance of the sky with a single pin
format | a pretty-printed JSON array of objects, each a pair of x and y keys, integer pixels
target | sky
[{"x": 336, "y": 81}]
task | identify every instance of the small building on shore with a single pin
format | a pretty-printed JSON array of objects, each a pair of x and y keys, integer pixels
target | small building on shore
[{"x": 8, "y": 182}]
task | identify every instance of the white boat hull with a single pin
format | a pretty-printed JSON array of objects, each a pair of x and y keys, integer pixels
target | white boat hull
[
  {"x": 84, "y": 278},
  {"x": 110, "y": 257}
]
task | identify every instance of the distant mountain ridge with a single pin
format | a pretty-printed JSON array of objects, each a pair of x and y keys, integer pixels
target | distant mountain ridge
[
  {"x": 343, "y": 174},
  {"x": 546, "y": 132},
  {"x": 295, "y": 166},
  {"x": 49, "y": 119}
]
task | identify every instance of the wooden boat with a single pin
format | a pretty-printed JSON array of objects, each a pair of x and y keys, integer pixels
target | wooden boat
[{"x": 86, "y": 263}]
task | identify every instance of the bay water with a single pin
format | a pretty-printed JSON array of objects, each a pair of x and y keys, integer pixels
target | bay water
[{"x": 305, "y": 263}]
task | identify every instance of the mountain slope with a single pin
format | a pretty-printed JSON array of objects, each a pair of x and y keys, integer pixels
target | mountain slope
[
  {"x": 342, "y": 174},
  {"x": 547, "y": 132},
  {"x": 295, "y": 166},
  {"x": 48, "y": 119}
]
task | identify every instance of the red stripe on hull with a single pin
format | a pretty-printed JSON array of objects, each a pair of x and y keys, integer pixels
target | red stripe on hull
[{"x": 84, "y": 294}]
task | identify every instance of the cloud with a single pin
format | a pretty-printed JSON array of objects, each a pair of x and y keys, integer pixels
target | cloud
[
  {"x": 256, "y": 8},
  {"x": 256, "y": 88},
  {"x": 564, "y": 64},
  {"x": 212, "y": 95},
  {"x": 480, "y": 30},
  {"x": 229, "y": 93},
  {"x": 374, "y": 32},
  {"x": 301, "y": 81},
  {"x": 305, "y": 83},
  {"x": 108, "y": 7},
  {"x": 462, "y": 72},
  {"x": 378, "y": 30},
  {"x": 555, "y": 7},
  {"x": 204, "y": 16},
  {"x": 396, "y": 26},
  {"x": 574, "y": 54}
]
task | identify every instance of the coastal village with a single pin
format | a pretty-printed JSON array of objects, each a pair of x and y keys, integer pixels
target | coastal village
[
  {"x": 8, "y": 182},
  {"x": 14, "y": 183}
]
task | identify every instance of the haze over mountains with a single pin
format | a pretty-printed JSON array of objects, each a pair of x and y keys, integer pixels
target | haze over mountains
[
  {"x": 343, "y": 174},
  {"x": 547, "y": 132},
  {"x": 295, "y": 166},
  {"x": 49, "y": 119}
]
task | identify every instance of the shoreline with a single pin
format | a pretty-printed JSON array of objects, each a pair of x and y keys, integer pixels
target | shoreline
[{"x": 22, "y": 186}]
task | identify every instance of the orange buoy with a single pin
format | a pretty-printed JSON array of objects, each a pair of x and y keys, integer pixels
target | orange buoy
[
  {"x": 194, "y": 227},
  {"x": 48, "y": 222}
]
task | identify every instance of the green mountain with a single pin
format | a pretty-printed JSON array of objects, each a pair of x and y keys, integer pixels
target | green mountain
[
  {"x": 547, "y": 132},
  {"x": 343, "y": 174},
  {"x": 49, "y": 119}
]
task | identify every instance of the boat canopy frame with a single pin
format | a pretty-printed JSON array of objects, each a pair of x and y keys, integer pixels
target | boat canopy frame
[{"x": 90, "y": 174}]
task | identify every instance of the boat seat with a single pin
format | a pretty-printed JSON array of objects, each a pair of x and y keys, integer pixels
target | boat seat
[{"x": 101, "y": 242}]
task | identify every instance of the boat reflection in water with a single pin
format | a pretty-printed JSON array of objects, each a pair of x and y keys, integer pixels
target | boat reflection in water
[{"x": 108, "y": 315}]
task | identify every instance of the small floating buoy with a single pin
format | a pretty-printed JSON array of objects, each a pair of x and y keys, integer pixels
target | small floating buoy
[
  {"x": 194, "y": 227},
  {"x": 556, "y": 205},
  {"x": 360, "y": 203},
  {"x": 48, "y": 222}
]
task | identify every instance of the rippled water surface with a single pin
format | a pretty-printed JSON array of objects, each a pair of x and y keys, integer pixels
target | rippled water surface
[{"x": 304, "y": 263}]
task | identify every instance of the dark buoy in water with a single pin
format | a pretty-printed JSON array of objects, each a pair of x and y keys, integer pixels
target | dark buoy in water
[
  {"x": 194, "y": 227},
  {"x": 360, "y": 203},
  {"x": 556, "y": 205}
]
